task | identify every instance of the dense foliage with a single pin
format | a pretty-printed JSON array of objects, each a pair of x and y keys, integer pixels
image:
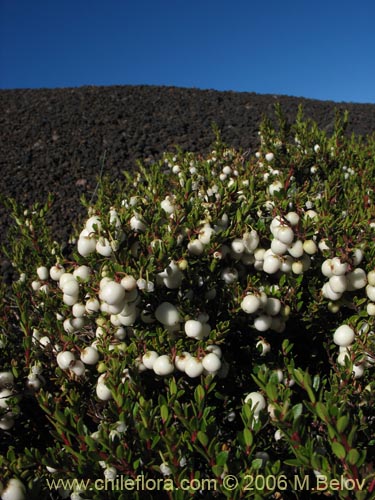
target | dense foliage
[{"x": 209, "y": 330}]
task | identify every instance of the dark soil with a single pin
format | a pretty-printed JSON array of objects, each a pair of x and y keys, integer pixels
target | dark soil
[{"x": 55, "y": 140}]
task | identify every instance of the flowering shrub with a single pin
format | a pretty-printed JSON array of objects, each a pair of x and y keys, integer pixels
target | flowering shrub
[{"x": 213, "y": 319}]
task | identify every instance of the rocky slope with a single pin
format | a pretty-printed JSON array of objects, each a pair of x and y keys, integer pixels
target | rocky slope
[{"x": 56, "y": 140}]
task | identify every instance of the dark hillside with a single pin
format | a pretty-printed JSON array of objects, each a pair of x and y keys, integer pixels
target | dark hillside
[{"x": 55, "y": 139}]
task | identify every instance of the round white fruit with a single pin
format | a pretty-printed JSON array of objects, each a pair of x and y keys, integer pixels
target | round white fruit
[
  {"x": 262, "y": 322},
  {"x": 338, "y": 284},
  {"x": 310, "y": 247},
  {"x": 42, "y": 273},
  {"x": 112, "y": 293},
  {"x": 265, "y": 347},
  {"x": 229, "y": 275},
  {"x": 102, "y": 391},
  {"x": 358, "y": 371},
  {"x": 285, "y": 234},
  {"x": 371, "y": 278},
  {"x": 181, "y": 359},
  {"x": 327, "y": 268},
  {"x": 215, "y": 349},
  {"x": 91, "y": 222},
  {"x": 193, "y": 367},
  {"x": 64, "y": 359},
  {"x": 89, "y": 355},
  {"x": 271, "y": 264},
  {"x": 15, "y": 490},
  {"x": 357, "y": 279},
  {"x": 329, "y": 294},
  {"x": 77, "y": 367},
  {"x": 6, "y": 423},
  {"x": 92, "y": 305},
  {"x": 292, "y": 218},
  {"x": 56, "y": 272},
  {"x": 5, "y": 396},
  {"x": 273, "y": 306},
  {"x": 250, "y": 241},
  {"x": 193, "y": 328},
  {"x": 163, "y": 365},
  {"x": 250, "y": 303},
  {"x": 278, "y": 247},
  {"x": 370, "y": 292},
  {"x": 103, "y": 247},
  {"x": 237, "y": 247},
  {"x": 6, "y": 379},
  {"x": 167, "y": 314},
  {"x": 344, "y": 335},
  {"x": 149, "y": 358},
  {"x": 86, "y": 244},
  {"x": 296, "y": 249},
  {"x": 341, "y": 358},
  {"x": 70, "y": 300},
  {"x": 257, "y": 402},
  {"x": 78, "y": 310},
  {"x": 338, "y": 268},
  {"x": 211, "y": 362},
  {"x": 83, "y": 273},
  {"x": 195, "y": 247},
  {"x": 129, "y": 283}
]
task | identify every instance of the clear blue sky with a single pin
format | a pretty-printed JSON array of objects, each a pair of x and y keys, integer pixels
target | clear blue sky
[{"x": 323, "y": 49}]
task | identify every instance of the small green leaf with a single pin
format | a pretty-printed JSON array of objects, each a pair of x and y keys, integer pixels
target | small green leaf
[
  {"x": 199, "y": 394},
  {"x": 338, "y": 450},
  {"x": 173, "y": 386},
  {"x": 203, "y": 438},
  {"x": 322, "y": 411},
  {"x": 222, "y": 458},
  {"x": 257, "y": 463},
  {"x": 298, "y": 375},
  {"x": 352, "y": 435},
  {"x": 332, "y": 433},
  {"x": 316, "y": 382},
  {"x": 164, "y": 413},
  {"x": 297, "y": 410},
  {"x": 353, "y": 456},
  {"x": 271, "y": 391},
  {"x": 248, "y": 437},
  {"x": 342, "y": 423}
]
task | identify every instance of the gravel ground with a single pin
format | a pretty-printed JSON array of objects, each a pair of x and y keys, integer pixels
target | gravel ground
[{"x": 54, "y": 140}]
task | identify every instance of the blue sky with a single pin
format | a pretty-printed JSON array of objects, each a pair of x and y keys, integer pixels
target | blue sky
[{"x": 322, "y": 49}]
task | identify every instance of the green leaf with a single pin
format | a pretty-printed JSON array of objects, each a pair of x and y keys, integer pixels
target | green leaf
[
  {"x": 297, "y": 410},
  {"x": 316, "y": 382},
  {"x": 353, "y": 456},
  {"x": 322, "y": 411},
  {"x": 257, "y": 463},
  {"x": 352, "y": 435},
  {"x": 217, "y": 470},
  {"x": 203, "y": 438},
  {"x": 222, "y": 458},
  {"x": 298, "y": 375},
  {"x": 248, "y": 437},
  {"x": 338, "y": 450},
  {"x": 164, "y": 413},
  {"x": 246, "y": 411},
  {"x": 342, "y": 423},
  {"x": 271, "y": 391},
  {"x": 332, "y": 431},
  {"x": 199, "y": 394},
  {"x": 173, "y": 386}
]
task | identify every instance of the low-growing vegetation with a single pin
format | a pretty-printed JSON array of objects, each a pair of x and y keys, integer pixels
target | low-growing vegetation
[{"x": 208, "y": 333}]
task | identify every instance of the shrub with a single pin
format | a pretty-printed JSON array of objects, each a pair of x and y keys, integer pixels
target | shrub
[{"x": 208, "y": 334}]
